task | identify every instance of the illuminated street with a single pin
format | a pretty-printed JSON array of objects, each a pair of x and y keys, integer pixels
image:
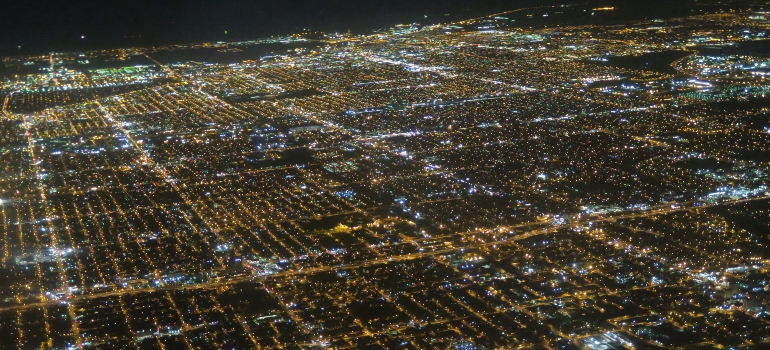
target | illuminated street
[{"x": 481, "y": 184}]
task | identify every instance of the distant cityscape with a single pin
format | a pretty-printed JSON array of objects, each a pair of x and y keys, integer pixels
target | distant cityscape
[{"x": 469, "y": 185}]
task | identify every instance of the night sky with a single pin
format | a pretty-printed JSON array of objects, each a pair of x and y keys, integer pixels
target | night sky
[{"x": 45, "y": 25}]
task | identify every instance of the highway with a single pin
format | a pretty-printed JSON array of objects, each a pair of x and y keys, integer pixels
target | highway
[
  {"x": 4, "y": 111},
  {"x": 217, "y": 283}
]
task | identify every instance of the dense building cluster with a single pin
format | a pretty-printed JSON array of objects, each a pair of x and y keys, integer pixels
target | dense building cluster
[{"x": 476, "y": 185}]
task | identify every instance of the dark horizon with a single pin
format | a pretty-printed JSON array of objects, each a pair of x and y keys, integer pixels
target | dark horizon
[{"x": 46, "y": 25}]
